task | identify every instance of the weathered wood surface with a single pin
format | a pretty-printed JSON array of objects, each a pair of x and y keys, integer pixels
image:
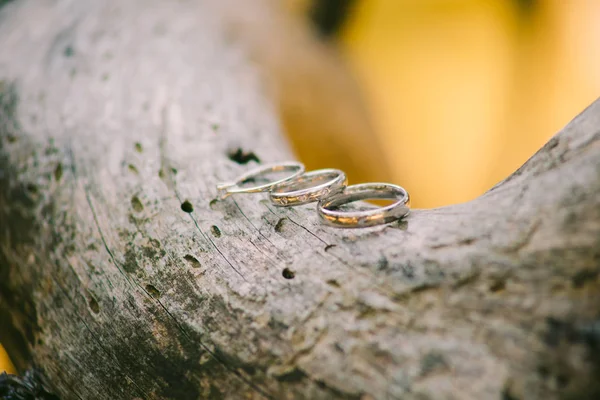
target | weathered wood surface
[{"x": 112, "y": 115}]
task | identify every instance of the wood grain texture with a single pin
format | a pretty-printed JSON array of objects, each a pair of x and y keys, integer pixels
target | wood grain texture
[{"x": 123, "y": 278}]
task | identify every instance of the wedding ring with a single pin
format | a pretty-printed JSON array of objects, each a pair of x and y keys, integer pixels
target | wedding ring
[
  {"x": 228, "y": 188},
  {"x": 308, "y": 187},
  {"x": 330, "y": 214}
]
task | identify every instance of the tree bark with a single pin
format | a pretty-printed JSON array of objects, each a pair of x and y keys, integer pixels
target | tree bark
[{"x": 122, "y": 277}]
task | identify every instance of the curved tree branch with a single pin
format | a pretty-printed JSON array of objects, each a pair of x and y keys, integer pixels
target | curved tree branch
[{"x": 126, "y": 279}]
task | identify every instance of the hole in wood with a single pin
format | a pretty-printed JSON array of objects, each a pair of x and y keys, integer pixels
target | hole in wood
[
  {"x": 216, "y": 232},
  {"x": 187, "y": 206},
  {"x": 497, "y": 286},
  {"x": 193, "y": 261},
  {"x": 137, "y": 204},
  {"x": 288, "y": 273},
  {"x": 153, "y": 291},
  {"x": 94, "y": 306},
  {"x": 242, "y": 157},
  {"x": 133, "y": 169},
  {"x": 334, "y": 283},
  {"x": 279, "y": 225},
  {"x": 58, "y": 172}
]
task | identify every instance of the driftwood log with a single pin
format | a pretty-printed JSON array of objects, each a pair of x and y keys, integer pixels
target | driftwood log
[{"x": 121, "y": 277}]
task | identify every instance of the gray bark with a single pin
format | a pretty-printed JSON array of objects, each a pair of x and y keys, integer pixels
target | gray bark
[{"x": 114, "y": 114}]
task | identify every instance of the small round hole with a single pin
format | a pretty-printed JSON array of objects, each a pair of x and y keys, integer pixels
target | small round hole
[
  {"x": 153, "y": 291},
  {"x": 187, "y": 206},
  {"x": 288, "y": 273}
]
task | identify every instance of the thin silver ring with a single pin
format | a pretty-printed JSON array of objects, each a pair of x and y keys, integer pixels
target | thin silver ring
[
  {"x": 295, "y": 192},
  {"x": 228, "y": 188},
  {"x": 327, "y": 207}
]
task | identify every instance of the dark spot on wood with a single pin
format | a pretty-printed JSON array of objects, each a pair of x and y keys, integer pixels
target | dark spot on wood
[
  {"x": 174, "y": 171},
  {"x": 130, "y": 264},
  {"x": 69, "y": 249},
  {"x": 382, "y": 263},
  {"x": 69, "y": 51},
  {"x": 213, "y": 203},
  {"x": 138, "y": 147},
  {"x": 153, "y": 291},
  {"x": 408, "y": 270},
  {"x": 155, "y": 243},
  {"x": 249, "y": 369},
  {"x": 93, "y": 303},
  {"x": 556, "y": 331},
  {"x": 187, "y": 206},
  {"x": 152, "y": 252},
  {"x": 161, "y": 173},
  {"x": 423, "y": 287},
  {"x": 137, "y": 204},
  {"x": 433, "y": 362},
  {"x": 58, "y": 172},
  {"x": 11, "y": 138},
  {"x": 330, "y": 246},
  {"x": 543, "y": 372},
  {"x": 295, "y": 375},
  {"x": 280, "y": 224},
  {"x": 507, "y": 395},
  {"x": 216, "y": 232},
  {"x": 366, "y": 312},
  {"x": 334, "y": 392},
  {"x": 584, "y": 276},
  {"x": 242, "y": 157},
  {"x": 133, "y": 169},
  {"x": 193, "y": 261},
  {"x": 132, "y": 220},
  {"x": 31, "y": 188},
  {"x": 562, "y": 381},
  {"x": 497, "y": 286},
  {"x": 334, "y": 283},
  {"x": 288, "y": 273},
  {"x": 552, "y": 143},
  {"x": 215, "y": 127},
  {"x": 402, "y": 225}
]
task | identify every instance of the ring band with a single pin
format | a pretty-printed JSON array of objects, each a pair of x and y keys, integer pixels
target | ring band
[
  {"x": 228, "y": 188},
  {"x": 330, "y": 215},
  {"x": 303, "y": 189}
]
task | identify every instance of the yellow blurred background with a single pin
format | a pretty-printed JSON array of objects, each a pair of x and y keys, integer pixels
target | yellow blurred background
[
  {"x": 462, "y": 92},
  {"x": 5, "y": 364}
]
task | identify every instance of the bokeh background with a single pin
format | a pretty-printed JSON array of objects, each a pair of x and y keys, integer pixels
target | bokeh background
[{"x": 461, "y": 92}]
